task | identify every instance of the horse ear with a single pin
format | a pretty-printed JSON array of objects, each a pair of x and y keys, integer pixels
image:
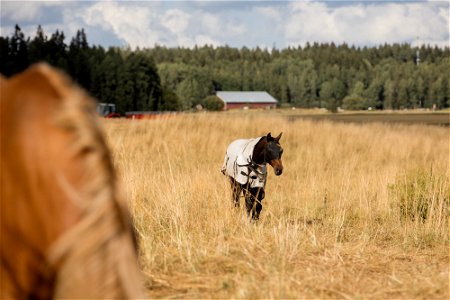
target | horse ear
[
  {"x": 277, "y": 139},
  {"x": 269, "y": 137}
]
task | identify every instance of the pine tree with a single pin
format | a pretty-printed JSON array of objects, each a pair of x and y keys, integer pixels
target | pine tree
[
  {"x": 18, "y": 51},
  {"x": 37, "y": 48}
]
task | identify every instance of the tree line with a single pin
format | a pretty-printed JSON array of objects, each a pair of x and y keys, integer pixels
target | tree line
[{"x": 390, "y": 76}]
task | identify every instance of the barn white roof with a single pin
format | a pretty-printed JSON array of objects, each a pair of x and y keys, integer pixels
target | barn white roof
[{"x": 246, "y": 97}]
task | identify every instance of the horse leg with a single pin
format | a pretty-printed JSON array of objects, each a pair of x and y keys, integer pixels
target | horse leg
[
  {"x": 249, "y": 201},
  {"x": 237, "y": 189},
  {"x": 258, "y": 196}
]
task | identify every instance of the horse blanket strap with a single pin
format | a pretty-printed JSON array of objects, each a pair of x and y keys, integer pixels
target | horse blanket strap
[{"x": 238, "y": 163}]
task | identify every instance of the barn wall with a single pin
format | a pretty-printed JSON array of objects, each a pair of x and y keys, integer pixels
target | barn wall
[{"x": 249, "y": 105}]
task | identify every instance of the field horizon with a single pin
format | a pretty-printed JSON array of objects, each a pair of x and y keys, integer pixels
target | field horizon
[{"x": 361, "y": 210}]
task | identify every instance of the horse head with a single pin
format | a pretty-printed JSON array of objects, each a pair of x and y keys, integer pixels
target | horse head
[{"x": 273, "y": 152}]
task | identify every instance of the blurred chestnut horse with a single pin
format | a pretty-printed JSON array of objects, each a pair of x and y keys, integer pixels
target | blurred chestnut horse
[
  {"x": 65, "y": 231},
  {"x": 245, "y": 164}
]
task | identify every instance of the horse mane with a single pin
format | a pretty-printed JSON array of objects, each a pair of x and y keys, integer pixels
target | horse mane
[
  {"x": 105, "y": 223},
  {"x": 91, "y": 252},
  {"x": 258, "y": 151}
]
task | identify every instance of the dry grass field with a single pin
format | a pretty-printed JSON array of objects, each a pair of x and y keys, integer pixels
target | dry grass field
[{"x": 361, "y": 211}]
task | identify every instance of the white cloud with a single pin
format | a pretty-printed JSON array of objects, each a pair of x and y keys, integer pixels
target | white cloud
[
  {"x": 235, "y": 29},
  {"x": 131, "y": 23},
  {"x": 310, "y": 21},
  {"x": 175, "y": 20},
  {"x": 202, "y": 40},
  {"x": 235, "y": 23},
  {"x": 146, "y": 25},
  {"x": 369, "y": 24},
  {"x": 211, "y": 23},
  {"x": 269, "y": 12},
  {"x": 18, "y": 12},
  {"x": 214, "y": 28}
]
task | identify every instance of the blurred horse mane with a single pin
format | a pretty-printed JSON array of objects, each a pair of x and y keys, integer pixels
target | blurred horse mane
[{"x": 65, "y": 229}]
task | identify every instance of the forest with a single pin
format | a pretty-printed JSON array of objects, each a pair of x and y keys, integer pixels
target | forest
[{"x": 389, "y": 76}]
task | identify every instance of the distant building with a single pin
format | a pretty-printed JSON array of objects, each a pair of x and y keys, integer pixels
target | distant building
[{"x": 242, "y": 100}]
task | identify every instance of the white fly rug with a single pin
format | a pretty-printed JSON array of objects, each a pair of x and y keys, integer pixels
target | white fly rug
[{"x": 238, "y": 163}]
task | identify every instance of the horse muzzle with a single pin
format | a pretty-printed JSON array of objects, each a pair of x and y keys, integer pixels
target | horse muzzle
[
  {"x": 277, "y": 167},
  {"x": 278, "y": 171}
]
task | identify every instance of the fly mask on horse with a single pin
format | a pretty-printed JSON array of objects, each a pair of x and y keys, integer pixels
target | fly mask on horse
[{"x": 245, "y": 163}]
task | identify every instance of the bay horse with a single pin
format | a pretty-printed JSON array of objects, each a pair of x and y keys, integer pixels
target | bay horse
[
  {"x": 245, "y": 164},
  {"x": 65, "y": 231}
]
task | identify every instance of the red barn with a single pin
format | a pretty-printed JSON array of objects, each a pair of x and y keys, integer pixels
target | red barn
[{"x": 241, "y": 100}]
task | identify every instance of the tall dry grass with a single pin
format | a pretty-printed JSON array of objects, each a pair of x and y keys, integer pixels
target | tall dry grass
[{"x": 345, "y": 220}]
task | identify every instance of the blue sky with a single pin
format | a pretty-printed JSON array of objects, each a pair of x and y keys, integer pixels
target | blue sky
[{"x": 234, "y": 23}]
